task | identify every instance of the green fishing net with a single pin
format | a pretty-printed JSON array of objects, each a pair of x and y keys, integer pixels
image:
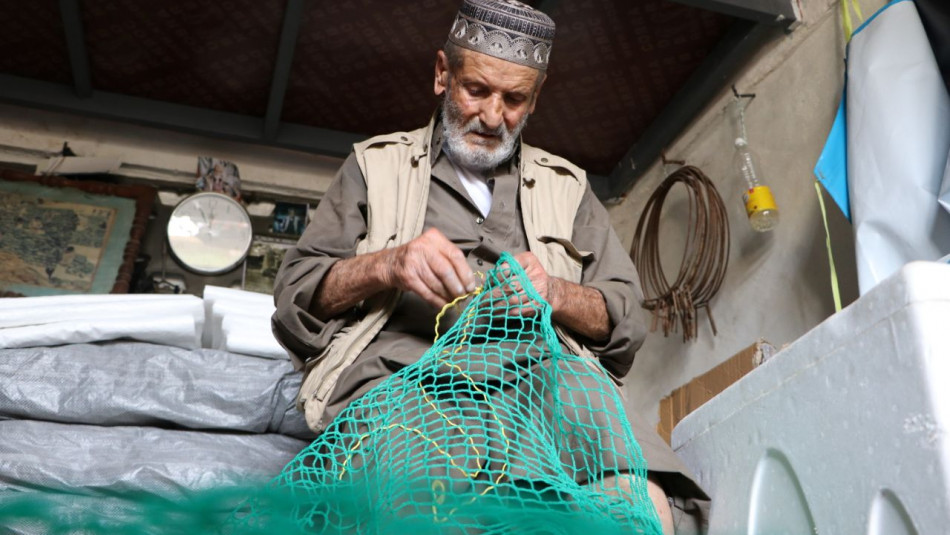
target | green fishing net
[{"x": 494, "y": 430}]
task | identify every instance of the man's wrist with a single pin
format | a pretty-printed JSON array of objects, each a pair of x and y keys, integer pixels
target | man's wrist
[
  {"x": 555, "y": 293},
  {"x": 384, "y": 267},
  {"x": 579, "y": 308}
]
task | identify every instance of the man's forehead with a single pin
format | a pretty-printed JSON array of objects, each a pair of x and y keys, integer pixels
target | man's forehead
[{"x": 476, "y": 65}]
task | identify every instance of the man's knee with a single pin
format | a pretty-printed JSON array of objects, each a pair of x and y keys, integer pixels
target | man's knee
[
  {"x": 622, "y": 485},
  {"x": 689, "y": 512},
  {"x": 661, "y": 503}
]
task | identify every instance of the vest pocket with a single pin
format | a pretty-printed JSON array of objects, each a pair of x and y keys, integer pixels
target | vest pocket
[{"x": 565, "y": 260}]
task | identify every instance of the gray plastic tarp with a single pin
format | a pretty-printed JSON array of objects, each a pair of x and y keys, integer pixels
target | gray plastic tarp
[
  {"x": 137, "y": 383},
  {"x": 110, "y": 461}
]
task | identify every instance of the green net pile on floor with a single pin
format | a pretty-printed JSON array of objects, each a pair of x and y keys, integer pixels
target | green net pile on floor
[{"x": 494, "y": 430}]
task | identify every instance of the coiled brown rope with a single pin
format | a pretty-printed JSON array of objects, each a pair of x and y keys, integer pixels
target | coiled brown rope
[{"x": 705, "y": 255}]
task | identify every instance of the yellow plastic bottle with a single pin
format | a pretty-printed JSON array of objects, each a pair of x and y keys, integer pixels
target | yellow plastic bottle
[{"x": 759, "y": 203}]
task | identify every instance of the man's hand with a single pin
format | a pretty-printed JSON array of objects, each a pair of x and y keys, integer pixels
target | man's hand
[
  {"x": 546, "y": 286},
  {"x": 432, "y": 267},
  {"x": 429, "y": 265},
  {"x": 579, "y": 308}
]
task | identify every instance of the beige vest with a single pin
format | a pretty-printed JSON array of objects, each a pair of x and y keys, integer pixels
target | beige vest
[{"x": 398, "y": 170}]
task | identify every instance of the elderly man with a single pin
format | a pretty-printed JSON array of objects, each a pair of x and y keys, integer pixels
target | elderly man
[{"x": 412, "y": 216}]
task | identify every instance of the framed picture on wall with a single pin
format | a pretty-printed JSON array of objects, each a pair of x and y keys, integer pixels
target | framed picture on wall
[
  {"x": 289, "y": 219},
  {"x": 62, "y": 236},
  {"x": 220, "y": 176},
  {"x": 263, "y": 261}
]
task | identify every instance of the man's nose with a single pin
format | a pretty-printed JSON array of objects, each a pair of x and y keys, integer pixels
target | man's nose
[{"x": 492, "y": 112}]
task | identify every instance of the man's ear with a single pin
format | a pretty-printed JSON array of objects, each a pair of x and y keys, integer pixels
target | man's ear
[
  {"x": 534, "y": 98},
  {"x": 441, "y": 73}
]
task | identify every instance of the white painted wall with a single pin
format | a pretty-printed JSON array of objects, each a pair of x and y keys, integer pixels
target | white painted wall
[
  {"x": 29, "y": 136},
  {"x": 777, "y": 285}
]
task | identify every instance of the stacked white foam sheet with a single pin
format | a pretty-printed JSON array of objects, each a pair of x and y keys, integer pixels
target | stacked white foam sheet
[
  {"x": 232, "y": 320},
  {"x": 845, "y": 430},
  {"x": 176, "y": 320},
  {"x": 239, "y": 321}
]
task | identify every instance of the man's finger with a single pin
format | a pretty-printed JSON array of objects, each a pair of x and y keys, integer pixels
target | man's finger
[
  {"x": 465, "y": 274},
  {"x": 448, "y": 262},
  {"x": 436, "y": 283},
  {"x": 458, "y": 270},
  {"x": 425, "y": 287},
  {"x": 440, "y": 275}
]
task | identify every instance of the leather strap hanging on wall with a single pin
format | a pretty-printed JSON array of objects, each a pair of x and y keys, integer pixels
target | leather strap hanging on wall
[{"x": 705, "y": 254}]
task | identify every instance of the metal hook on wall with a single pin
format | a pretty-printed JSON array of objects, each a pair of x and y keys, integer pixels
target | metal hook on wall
[
  {"x": 668, "y": 162},
  {"x": 739, "y": 95}
]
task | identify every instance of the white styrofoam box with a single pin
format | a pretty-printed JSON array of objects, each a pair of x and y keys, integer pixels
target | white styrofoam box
[{"x": 843, "y": 431}]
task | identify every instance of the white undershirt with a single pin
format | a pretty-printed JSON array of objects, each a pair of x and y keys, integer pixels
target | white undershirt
[{"x": 476, "y": 185}]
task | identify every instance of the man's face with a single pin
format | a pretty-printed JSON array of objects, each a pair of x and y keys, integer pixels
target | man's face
[{"x": 487, "y": 104}]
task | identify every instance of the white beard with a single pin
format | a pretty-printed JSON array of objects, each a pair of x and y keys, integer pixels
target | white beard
[{"x": 474, "y": 156}]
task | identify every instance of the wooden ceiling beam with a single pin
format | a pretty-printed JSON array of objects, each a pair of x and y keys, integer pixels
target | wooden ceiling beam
[
  {"x": 712, "y": 76},
  {"x": 293, "y": 17},
  {"x": 186, "y": 119},
  {"x": 784, "y": 13},
  {"x": 76, "y": 47}
]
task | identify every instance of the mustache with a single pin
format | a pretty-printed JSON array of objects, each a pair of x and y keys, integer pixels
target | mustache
[{"x": 475, "y": 125}]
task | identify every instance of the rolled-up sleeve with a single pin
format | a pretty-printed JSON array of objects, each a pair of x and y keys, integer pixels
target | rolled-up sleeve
[
  {"x": 339, "y": 223},
  {"x": 611, "y": 272}
]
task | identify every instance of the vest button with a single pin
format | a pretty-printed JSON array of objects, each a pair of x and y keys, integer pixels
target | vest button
[
  {"x": 404, "y": 138},
  {"x": 479, "y": 220},
  {"x": 544, "y": 160},
  {"x": 480, "y": 262}
]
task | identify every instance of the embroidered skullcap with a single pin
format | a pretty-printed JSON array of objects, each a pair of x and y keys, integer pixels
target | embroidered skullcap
[{"x": 505, "y": 29}]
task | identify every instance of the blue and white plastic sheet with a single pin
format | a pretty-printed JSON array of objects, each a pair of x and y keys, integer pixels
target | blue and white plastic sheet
[
  {"x": 832, "y": 166},
  {"x": 891, "y": 175}
]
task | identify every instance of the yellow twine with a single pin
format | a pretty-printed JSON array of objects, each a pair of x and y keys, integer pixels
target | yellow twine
[
  {"x": 836, "y": 294},
  {"x": 454, "y": 303},
  {"x": 846, "y": 7}
]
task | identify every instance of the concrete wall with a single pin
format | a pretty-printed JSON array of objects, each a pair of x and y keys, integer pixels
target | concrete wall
[
  {"x": 777, "y": 285},
  {"x": 28, "y": 137}
]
